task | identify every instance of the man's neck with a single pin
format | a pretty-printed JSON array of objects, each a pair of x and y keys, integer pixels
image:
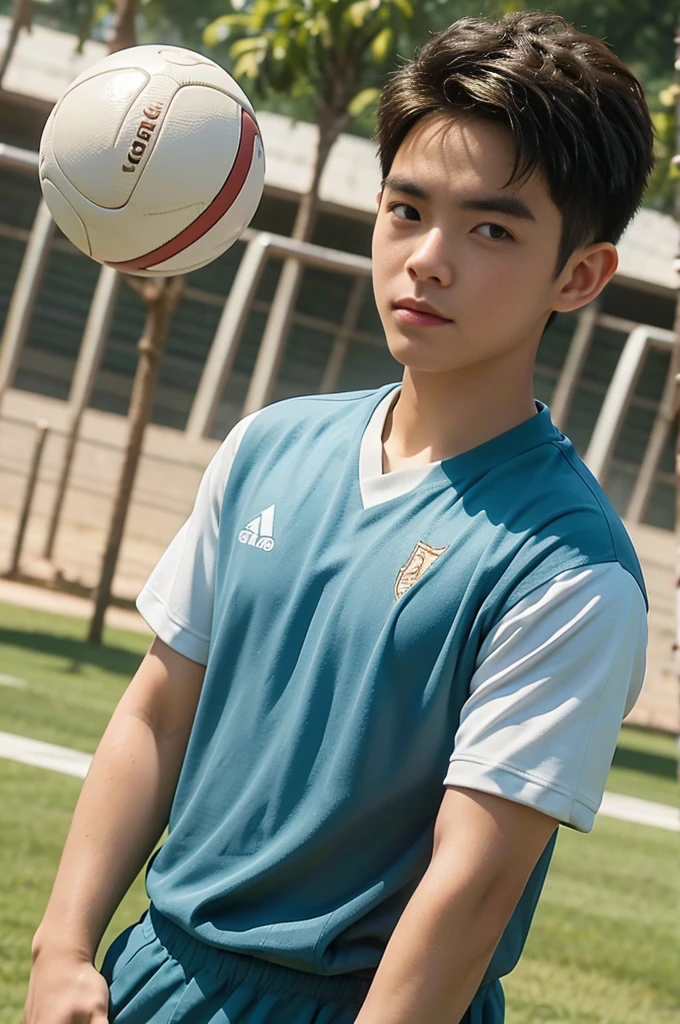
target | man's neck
[{"x": 437, "y": 416}]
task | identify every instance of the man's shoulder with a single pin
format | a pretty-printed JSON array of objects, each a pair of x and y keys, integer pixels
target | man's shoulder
[
  {"x": 325, "y": 403},
  {"x": 552, "y": 482},
  {"x": 576, "y": 494},
  {"x": 292, "y": 421},
  {"x": 294, "y": 417},
  {"x": 563, "y": 515}
]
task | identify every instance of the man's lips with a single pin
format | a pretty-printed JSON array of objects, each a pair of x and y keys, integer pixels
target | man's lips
[{"x": 420, "y": 313}]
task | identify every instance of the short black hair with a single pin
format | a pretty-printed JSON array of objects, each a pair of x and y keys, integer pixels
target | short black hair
[{"x": 576, "y": 111}]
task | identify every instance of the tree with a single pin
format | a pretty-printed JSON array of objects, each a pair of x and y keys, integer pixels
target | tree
[
  {"x": 124, "y": 34},
  {"x": 676, "y": 365},
  {"x": 161, "y": 296},
  {"x": 179, "y": 22},
  {"x": 333, "y": 52},
  {"x": 21, "y": 18}
]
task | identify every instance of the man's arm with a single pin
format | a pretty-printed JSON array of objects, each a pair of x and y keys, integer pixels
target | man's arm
[
  {"x": 534, "y": 745},
  {"x": 125, "y": 800},
  {"x": 485, "y": 848}
]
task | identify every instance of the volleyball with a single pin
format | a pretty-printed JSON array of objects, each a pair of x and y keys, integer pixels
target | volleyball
[{"x": 152, "y": 161}]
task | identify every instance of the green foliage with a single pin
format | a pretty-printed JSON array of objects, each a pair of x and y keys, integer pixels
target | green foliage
[
  {"x": 363, "y": 100},
  {"x": 666, "y": 176},
  {"x": 334, "y": 51}
]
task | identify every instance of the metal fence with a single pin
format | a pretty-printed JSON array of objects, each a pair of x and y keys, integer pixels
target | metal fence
[{"x": 261, "y": 247}]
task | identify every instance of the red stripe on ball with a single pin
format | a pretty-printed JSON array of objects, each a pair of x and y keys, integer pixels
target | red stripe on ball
[{"x": 213, "y": 213}]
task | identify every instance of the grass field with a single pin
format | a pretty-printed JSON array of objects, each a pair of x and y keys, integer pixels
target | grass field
[{"x": 603, "y": 948}]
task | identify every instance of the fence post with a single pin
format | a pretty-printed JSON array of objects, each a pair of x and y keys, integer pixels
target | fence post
[
  {"x": 568, "y": 379},
  {"x": 94, "y": 340},
  {"x": 23, "y": 297},
  {"x": 227, "y": 337},
  {"x": 38, "y": 446},
  {"x": 639, "y": 499},
  {"x": 341, "y": 340},
  {"x": 613, "y": 410}
]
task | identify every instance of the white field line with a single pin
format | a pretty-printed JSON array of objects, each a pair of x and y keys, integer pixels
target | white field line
[
  {"x": 44, "y": 755},
  {"x": 73, "y": 762},
  {"x": 643, "y": 812},
  {"x": 18, "y": 684}
]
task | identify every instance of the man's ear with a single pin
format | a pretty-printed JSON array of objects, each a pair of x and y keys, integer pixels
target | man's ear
[
  {"x": 585, "y": 275},
  {"x": 378, "y": 198}
]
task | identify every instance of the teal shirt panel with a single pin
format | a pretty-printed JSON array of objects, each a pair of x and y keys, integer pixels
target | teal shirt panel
[{"x": 304, "y": 813}]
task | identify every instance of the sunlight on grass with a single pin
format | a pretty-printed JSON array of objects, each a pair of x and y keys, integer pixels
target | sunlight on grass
[{"x": 603, "y": 947}]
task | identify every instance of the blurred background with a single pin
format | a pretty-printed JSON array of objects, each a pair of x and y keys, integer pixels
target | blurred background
[{"x": 287, "y": 311}]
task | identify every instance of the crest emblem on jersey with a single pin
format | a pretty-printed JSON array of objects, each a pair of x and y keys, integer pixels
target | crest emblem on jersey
[
  {"x": 422, "y": 558},
  {"x": 259, "y": 532}
]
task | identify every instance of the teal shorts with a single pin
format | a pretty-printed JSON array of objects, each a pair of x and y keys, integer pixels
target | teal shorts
[{"x": 159, "y": 974}]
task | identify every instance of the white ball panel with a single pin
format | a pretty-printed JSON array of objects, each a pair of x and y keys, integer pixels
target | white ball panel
[
  {"x": 227, "y": 230},
  {"x": 115, "y": 234},
  {"x": 177, "y": 55},
  {"x": 97, "y": 170},
  {"x": 65, "y": 216},
  {"x": 86, "y": 135},
  {"x": 146, "y": 57},
  {"x": 217, "y": 78},
  {"x": 192, "y": 68},
  {"x": 118, "y": 235},
  {"x": 156, "y": 59},
  {"x": 195, "y": 151},
  {"x": 141, "y": 129}
]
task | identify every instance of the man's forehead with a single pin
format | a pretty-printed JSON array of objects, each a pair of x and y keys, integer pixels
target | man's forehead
[
  {"x": 464, "y": 158},
  {"x": 460, "y": 145}
]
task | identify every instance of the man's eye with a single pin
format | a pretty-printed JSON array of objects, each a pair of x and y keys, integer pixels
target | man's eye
[
  {"x": 493, "y": 231},
  {"x": 406, "y": 212}
]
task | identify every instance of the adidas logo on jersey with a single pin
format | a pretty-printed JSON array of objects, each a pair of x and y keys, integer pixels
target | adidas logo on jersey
[{"x": 259, "y": 532}]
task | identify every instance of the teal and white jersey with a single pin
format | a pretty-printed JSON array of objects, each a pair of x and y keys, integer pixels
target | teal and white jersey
[{"x": 371, "y": 638}]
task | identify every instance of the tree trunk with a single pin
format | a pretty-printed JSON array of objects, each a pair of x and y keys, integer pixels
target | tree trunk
[
  {"x": 159, "y": 305},
  {"x": 676, "y": 361},
  {"x": 329, "y": 128},
  {"x": 675, "y": 357},
  {"x": 162, "y": 296},
  {"x": 124, "y": 33},
  {"x": 273, "y": 344},
  {"x": 21, "y": 18}
]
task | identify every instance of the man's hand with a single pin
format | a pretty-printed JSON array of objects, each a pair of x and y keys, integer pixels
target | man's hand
[
  {"x": 65, "y": 989},
  {"x": 485, "y": 848},
  {"x": 122, "y": 809}
]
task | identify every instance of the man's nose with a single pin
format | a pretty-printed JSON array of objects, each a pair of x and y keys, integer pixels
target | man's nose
[{"x": 430, "y": 260}]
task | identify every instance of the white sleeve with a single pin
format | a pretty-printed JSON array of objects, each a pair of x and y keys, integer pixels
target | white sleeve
[
  {"x": 552, "y": 684},
  {"x": 177, "y": 599}
]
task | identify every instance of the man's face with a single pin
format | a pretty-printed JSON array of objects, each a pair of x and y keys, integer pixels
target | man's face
[{"x": 449, "y": 234}]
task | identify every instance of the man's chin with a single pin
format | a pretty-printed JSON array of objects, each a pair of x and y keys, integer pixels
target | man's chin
[{"x": 416, "y": 354}]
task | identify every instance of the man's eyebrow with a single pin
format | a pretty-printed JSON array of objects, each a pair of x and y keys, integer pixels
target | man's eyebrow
[
  {"x": 404, "y": 185},
  {"x": 511, "y": 206}
]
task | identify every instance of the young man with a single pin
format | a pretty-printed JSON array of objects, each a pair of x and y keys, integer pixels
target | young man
[{"x": 421, "y": 622}]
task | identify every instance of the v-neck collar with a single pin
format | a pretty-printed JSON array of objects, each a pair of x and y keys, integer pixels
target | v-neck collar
[{"x": 378, "y": 487}]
